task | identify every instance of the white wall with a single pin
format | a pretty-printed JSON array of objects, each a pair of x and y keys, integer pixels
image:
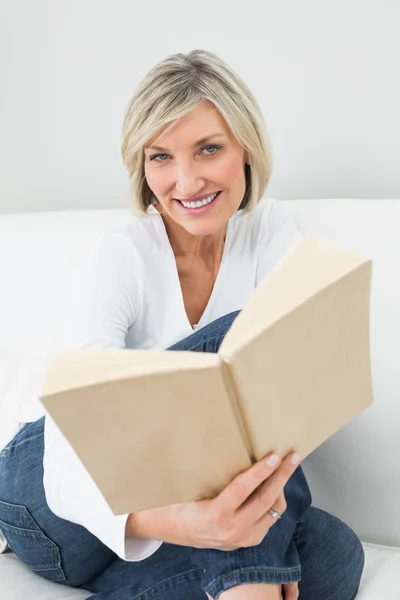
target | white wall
[{"x": 325, "y": 73}]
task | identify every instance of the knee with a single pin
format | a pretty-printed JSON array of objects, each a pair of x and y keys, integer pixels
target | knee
[
  {"x": 331, "y": 556},
  {"x": 354, "y": 553},
  {"x": 349, "y": 562}
]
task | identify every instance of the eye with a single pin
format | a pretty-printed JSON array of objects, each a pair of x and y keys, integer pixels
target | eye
[
  {"x": 213, "y": 147},
  {"x": 156, "y": 156}
]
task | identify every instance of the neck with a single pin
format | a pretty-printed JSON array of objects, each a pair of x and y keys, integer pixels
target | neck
[{"x": 186, "y": 245}]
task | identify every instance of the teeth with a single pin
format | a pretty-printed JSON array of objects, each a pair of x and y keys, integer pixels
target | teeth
[{"x": 200, "y": 202}]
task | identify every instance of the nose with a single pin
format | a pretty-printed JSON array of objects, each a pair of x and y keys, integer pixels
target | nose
[{"x": 190, "y": 180}]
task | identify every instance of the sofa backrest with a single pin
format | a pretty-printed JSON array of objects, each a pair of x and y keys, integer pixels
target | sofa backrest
[
  {"x": 44, "y": 259},
  {"x": 356, "y": 473}
]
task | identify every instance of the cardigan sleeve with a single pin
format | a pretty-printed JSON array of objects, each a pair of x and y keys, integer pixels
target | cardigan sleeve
[{"x": 111, "y": 302}]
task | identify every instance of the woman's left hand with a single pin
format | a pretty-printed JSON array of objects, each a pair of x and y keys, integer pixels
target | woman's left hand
[{"x": 291, "y": 591}]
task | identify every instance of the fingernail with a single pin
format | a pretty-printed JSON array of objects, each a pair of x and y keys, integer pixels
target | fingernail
[
  {"x": 295, "y": 458},
  {"x": 273, "y": 460}
]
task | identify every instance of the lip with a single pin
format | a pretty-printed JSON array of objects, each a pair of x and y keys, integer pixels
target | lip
[
  {"x": 199, "y": 212},
  {"x": 195, "y": 198}
]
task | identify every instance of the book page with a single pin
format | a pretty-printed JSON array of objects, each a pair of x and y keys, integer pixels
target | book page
[
  {"x": 300, "y": 356},
  {"x": 308, "y": 266},
  {"x": 70, "y": 369},
  {"x": 152, "y": 428}
]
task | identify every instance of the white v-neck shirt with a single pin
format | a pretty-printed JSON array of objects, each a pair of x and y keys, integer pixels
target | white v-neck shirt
[{"x": 134, "y": 300}]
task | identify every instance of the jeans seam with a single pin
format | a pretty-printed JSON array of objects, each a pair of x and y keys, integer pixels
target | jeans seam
[
  {"x": 16, "y": 444},
  {"x": 296, "y": 533},
  {"x": 205, "y": 341},
  {"x": 152, "y": 589},
  {"x": 211, "y": 587},
  {"x": 34, "y": 532}
]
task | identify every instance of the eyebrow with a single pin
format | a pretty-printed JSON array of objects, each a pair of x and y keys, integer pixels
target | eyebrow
[{"x": 198, "y": 143}]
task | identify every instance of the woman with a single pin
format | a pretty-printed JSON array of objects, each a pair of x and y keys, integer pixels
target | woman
[{"x": 202, "y": 237}]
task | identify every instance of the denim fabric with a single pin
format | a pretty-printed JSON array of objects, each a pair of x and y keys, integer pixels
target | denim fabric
[{"x": 307, "y": 545}]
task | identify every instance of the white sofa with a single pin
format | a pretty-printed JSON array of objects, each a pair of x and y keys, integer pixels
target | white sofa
[{"x": 354, "y": 475}]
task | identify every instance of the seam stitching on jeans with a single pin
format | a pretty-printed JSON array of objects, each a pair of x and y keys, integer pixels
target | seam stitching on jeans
[
  {"x": 18, "y": 443},
  {"x": 252, "y": 570},
  {"x": 154, "y": 587},
  {"x": 205, "y": 341}
]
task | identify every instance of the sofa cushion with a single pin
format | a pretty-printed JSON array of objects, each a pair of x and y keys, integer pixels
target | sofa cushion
[{"x": 17, "y": 582}]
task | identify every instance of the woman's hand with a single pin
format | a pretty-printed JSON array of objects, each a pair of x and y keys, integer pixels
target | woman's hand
[{"x": 237, "y": 518}]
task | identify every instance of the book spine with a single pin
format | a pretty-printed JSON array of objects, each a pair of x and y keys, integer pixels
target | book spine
[{"x": 234, "y": 396}]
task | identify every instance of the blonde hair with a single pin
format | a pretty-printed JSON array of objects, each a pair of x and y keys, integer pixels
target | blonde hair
[{"x": 170, "y": 91}]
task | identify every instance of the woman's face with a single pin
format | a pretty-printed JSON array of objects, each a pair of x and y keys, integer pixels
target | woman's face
[{"x": 198, "y": 156}]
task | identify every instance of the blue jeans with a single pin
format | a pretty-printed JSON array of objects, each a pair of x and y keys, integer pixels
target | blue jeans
[{"x": 307, "y": 544}]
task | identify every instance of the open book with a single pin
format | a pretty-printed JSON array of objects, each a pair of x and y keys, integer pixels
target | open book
[{"x": 161, "y": 427}]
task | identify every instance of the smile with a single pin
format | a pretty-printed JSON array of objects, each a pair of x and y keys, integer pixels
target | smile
[{"x": 200, "y": 203}]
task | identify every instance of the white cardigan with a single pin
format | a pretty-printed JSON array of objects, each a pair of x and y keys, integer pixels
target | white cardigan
[{"x": 134, "y": 300}]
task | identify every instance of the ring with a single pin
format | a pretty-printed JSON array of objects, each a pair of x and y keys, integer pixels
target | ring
[{"x": 275, "y": 514}]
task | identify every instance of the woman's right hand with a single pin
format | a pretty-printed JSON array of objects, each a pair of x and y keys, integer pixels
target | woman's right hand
[{"x": 237, "y": 518}]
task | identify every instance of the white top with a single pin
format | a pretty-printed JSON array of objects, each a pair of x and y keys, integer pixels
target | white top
[{"x": 134, "y": 300}]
